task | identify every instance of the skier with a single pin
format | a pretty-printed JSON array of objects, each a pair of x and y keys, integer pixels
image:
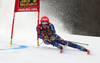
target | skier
[{"x": 48, "y": 34}]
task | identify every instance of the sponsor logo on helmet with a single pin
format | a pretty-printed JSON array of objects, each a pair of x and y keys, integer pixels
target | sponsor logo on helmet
[{"x": 44, "y": 19}]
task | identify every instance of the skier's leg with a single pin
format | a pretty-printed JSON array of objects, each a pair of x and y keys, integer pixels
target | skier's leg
[
  {"x": 54, "y": 43},
  {"x": 58, "y": 46},
  {"x": 61, "y": 42},
  {"x": 70, "y": 44},
  {"x": 78, "y": 47}
]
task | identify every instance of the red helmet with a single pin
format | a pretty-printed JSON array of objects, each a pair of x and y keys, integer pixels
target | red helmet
[{"x": 44, "y": 19}]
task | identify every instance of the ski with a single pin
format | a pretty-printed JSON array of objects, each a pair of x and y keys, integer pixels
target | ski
[
  {"x": 88, "y": 52},
  {"x": 61, "y": 50}
]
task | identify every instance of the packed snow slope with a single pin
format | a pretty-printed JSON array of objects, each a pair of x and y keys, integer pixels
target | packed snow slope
[
  {"x": 24, "y": 48},
  {"x": 47, "y": 53}
]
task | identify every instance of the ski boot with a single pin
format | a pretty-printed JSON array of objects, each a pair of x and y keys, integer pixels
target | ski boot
[
  {"x": 84, "y": 49},
  {"x": 61, "y": 48},
  {"x": 88, "y": 52}
]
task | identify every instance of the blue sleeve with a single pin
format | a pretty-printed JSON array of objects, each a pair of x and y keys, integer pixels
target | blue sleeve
[
  {"x": 53, "y": 31},
  {"x": 40, "y": 36},
  {"x": 52, "y": 28}
]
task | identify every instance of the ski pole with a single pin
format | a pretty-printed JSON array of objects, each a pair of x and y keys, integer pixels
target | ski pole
[
  {"x": 75, "y": 42},
  {"x": 40, "y": 43},
  {"x": 80, "y": 43}
]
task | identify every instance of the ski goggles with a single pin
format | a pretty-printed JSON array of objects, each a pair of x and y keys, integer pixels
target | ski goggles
[{"x": 44, "y": 23}]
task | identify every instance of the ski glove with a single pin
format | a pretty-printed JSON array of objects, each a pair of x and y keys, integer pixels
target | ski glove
[
  {"x": 52, "y": 37},
  {"x": 45, "y": 38}
]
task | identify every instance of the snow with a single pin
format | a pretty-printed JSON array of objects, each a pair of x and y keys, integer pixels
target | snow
[
  {"x": 25, "y": 35},
  {"x": 48, "y": 54}
]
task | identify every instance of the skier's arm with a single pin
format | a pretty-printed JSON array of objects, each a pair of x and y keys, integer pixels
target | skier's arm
[
  {"x": 40, "y": 36},
  {"x": 53, "y": 31}
]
